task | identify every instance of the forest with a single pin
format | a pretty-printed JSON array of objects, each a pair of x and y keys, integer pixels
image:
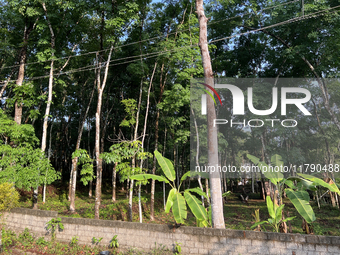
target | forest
[{"x": 92, "y": 90}]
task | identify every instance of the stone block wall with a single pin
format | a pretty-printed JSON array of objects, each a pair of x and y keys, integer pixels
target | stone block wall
[{"x": 193, "y": 240}]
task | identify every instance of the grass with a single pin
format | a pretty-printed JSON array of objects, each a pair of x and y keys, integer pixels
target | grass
[{"x": 237, "y": 215}]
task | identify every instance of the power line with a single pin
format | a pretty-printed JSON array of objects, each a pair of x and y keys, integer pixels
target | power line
[
  {"x": 246, "y": 14},
  {"x": 312, "y": 15},
  {"x": 156, "y": 54},
  {"x": 149, "y": 39}
]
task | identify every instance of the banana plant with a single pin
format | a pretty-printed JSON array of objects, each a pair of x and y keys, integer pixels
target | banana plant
[
  {"x": 296, "y": 194},
  {"x": 178, "y": 200},
  {"x": 275, "y": 213}
]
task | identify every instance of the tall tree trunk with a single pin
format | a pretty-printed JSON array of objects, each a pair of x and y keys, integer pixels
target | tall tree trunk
[
  {"x": 75, "y": 160},
  {"x": 89, "y": 148},
  {"x": 197, "y": 152},
  {"x": 153, "y": 184},
  {"x": 135, "y": 139},
  {"x": 144, "y": 132},
  {"x": 100, "y": 88},
  {"x": 49, "y": 157},
  {"x": 215, "y": 183},
  {"x": 49, "y": 101},
  {"x": 164, "y": 146},
  {"x": 21, "y": 74},
  {"x": 114, "y": 178}
]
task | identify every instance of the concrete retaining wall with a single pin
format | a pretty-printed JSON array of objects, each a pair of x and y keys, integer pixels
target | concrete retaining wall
[{"x": 193, "y": 240}]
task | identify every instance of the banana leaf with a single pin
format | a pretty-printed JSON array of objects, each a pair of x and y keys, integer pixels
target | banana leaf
[
  {"x": 198, "y": 191},
  {"x": 300, "y": 200},
  {"x": 196, "y": 208},
  {"x": 270, "y": 207},
  {"x": 166, "y": 165},
  {"x": 258, "y": 223},
  {"x": 332, "y": 187},
  {"x": 272, "y": 175},
  {"x": 179, "y": 208},
  {"x": 254, "y": 159},
  {"x": 143, "y": 177},
  {"x": 276, "y": 160},
  {"x": 169, "y": 202}
]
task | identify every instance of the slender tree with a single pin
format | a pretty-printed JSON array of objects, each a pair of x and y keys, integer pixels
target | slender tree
[{"x": 215, "y": 182}]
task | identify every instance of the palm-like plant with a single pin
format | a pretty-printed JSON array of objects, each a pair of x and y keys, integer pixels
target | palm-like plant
[{"x": 178, "y": 200}]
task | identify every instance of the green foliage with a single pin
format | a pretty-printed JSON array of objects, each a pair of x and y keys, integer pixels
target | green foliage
[
  {"x": 299, "y": 197},
  {"x": 114, "y": 242},
  {"x": 130, "y": 109},
  {"x": 41, "y": 241},
  {"x": 53, "y": 225},
  {"x": 256, "y": 216},
  {"x": 176, "y": 200},
  {"x": 12, "y": 133},
  {"x": 9, "y": 197},
  {"x": 275, "y": 213},
  {"x": 26, "y": 238},
  {"x": 226, "y": 194},
  {"x": 20, "y": 162},
  {"x": 8, "y": 238},
  {"x": 300, "y": 200},
  {"x": 166, "y": 165},
  {"x": 74, "y": 241},
  {"x": 122, "y": 153},
  {"x": 96, "y": 241},
  {"x": 178, "y": 248},
  {"x": 86, "y": 162},
  {"x": 27, "y": 95}
]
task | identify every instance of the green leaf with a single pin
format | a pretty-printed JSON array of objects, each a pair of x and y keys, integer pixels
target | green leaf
[
  {"x": 179, "y": 208},
  {"x": 302, "y": 183},
  {"x": 332, "y": 187},
  {"x": 289, "y": 218},
  {"x": 270, "y": 173},
  {"x": 200, "y": 223},
  {"x": 258, "y": 223},
  {"x": 226, "y": 193},
  {"x": 144, "y": 177},
  {"x": 198, "y": 191},
  {"x": 278, "y": 213},
  {"x": 254, "y": 159},
  {"x": 196, "y": 207},
  {"x": 166, "y": 165},
  {"x": 276, "y": 160},
  {"x": 270, "y": 207},
  {"x": 290, "y": 184},
  {"x": 186, "y": 175},
  {"x": 170, "y": 202},
  {"x": 300, "y": 200}
]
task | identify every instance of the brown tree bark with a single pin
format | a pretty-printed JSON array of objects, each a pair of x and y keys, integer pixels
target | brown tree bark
[
  {"x": 215, "y": 182},
  {"x": 21, "y": 74}
]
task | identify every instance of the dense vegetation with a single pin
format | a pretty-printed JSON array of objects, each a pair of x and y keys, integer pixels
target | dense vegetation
[{"x": 90, "y": 89}]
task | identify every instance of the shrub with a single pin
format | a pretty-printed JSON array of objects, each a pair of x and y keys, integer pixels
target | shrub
[{"x": 9, "y": 197}]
